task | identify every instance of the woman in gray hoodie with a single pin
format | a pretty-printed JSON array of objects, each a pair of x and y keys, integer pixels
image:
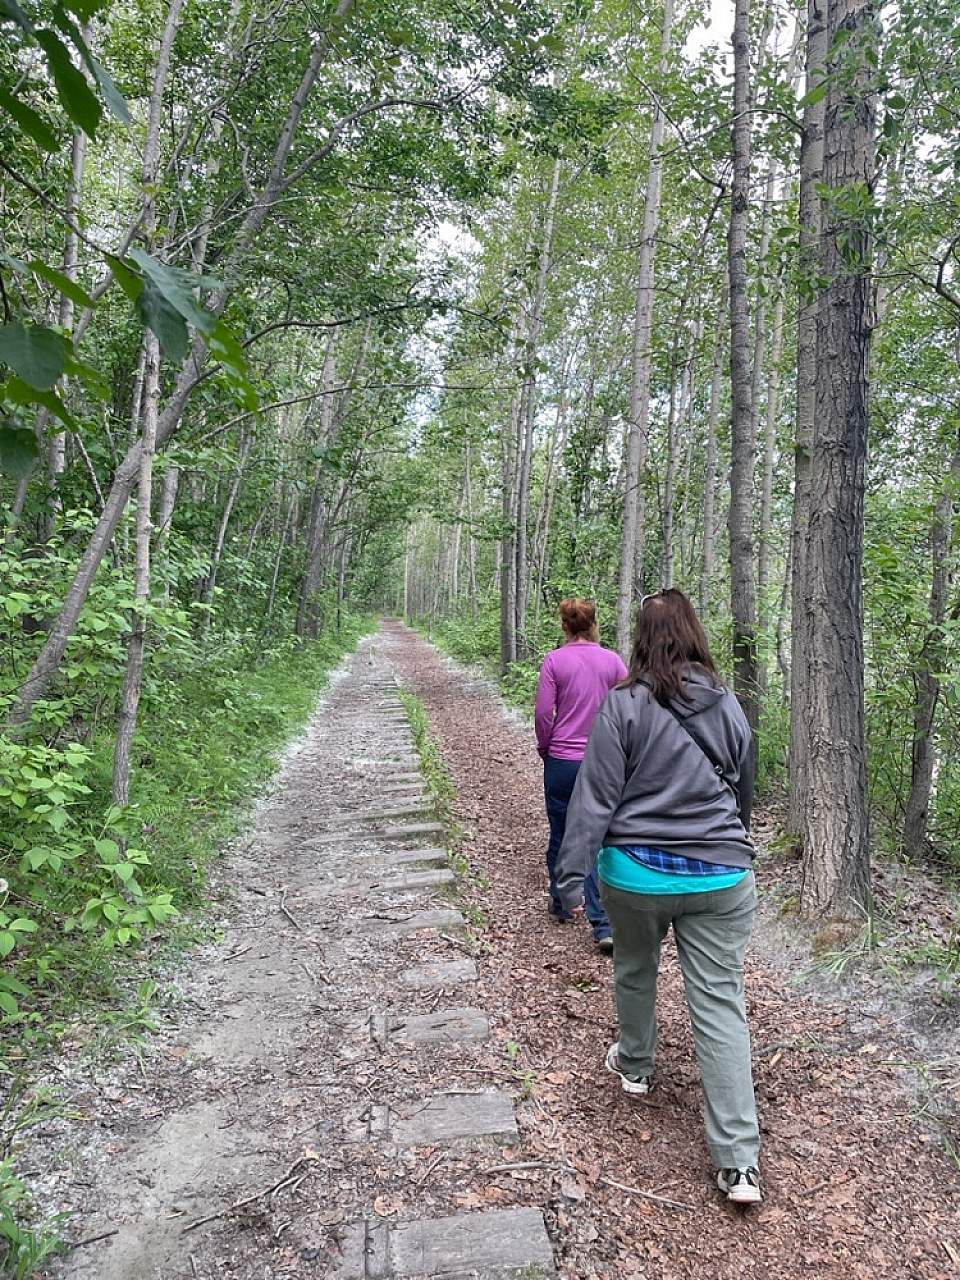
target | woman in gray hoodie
[{"x": 665, "y": 792}]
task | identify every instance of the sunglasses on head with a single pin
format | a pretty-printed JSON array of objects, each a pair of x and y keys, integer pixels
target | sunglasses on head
[{"x": 651, "y": 596}]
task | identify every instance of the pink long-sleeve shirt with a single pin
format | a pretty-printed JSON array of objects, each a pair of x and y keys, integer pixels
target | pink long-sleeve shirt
[{"x": 574, "y": 680}]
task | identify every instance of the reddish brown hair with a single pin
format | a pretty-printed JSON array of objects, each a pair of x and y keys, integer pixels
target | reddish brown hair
[
  {"x": 579, "y": 617},
  {"x": 668, "y": 638}
]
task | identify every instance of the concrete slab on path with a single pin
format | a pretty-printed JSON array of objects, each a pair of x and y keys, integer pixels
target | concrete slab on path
[
  {"x": 500, "y": 1244},
  {"x": 439, "y": 973},
  {"x": 377, "y": 927},
  {"x": 464, "y": 1023},
  {"x": 447, "y": 1118}
]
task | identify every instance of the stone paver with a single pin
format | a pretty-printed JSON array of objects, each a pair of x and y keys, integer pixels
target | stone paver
[
  {"x": 440, "y": 973},
  {"x": 445, "y": 1024},
  {"x": 499, "y": 1244},
  {"x": 377, "y": 927}
]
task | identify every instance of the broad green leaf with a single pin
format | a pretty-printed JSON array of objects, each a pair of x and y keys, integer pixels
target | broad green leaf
[
  {"x": 19, "y": 392},
  {"x": 85, "y": 9},
  {"x": 178, "y": 288},
  {"x": 108, "y": 850},
  {"x": 166, "y": 321},
  {"x": 7, "y": 943},
  {"x": 23, "y": 925},
  {"x": 76, "y": 96},
  {"x": 816, "y": 94},
  {"x": 18, "y": 451},
  {"x": 33, "y": 125},
  {"x": 127, "y": 279},
  {"x": 111, "y": 94},
  {"x": 37, "y": 354},
  {"x": 69, "y": 288},
  {"x": 8, "y": 1004}
]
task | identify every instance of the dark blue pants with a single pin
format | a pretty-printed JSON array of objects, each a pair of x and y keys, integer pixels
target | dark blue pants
[{"x": 558, "y": 779}]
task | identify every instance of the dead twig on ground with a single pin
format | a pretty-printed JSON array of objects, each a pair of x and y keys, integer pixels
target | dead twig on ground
[
  {"x": 79, "y": 1244},
  {"x": 258, "y": 1195},
  {"x": 647, "y": 1195},
  {"x": 528, "y": 1164},
  {"x": 286, "y": 911}
]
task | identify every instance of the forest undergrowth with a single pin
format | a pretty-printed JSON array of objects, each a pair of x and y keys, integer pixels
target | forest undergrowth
[{"x": 88, "y": 978}]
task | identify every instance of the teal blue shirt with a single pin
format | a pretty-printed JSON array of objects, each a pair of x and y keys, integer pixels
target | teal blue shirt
[{"x": 620, "y": 871}]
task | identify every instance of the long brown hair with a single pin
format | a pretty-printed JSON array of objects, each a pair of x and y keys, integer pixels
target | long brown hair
[{"x": 668, "y": 638}]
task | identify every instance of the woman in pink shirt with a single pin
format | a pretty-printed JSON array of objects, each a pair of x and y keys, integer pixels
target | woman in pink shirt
[{"x": 574, "y": 680}]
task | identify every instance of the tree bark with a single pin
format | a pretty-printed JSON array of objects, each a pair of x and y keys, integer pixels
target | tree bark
[
  {"x": 528, "y": 399},
  {"x": 931, "y": 660},
  {"x": 638, "y": 411},
  {"x": 57, "y": 446},
  {"x": 743, "y": 445},
  {"x": 811, "y": 174},
  {"x": 710, "y": 465},
  {"x": 836, "y": 854}
]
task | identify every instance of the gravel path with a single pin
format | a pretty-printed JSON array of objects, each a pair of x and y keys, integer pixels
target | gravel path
[{"x": 379, "y": 1072}]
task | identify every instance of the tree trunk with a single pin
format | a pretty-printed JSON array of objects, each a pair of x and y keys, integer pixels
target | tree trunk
[
  {"x": 136, "y": 641},
  {"x": 710, "y": 465},
  {"x": 210, "y": 581},
  {"x": 931, "y": 660},
  {"x": 743, "y": 445},
  {"x": 811, "y": 174},
  {"x": 57, "y": 447},
  {"x": 836, "y": 856},
  {"x": 471, "y": 540},
  {"x": 529, "y": 410},
  {"x": 638, "y": 411}
]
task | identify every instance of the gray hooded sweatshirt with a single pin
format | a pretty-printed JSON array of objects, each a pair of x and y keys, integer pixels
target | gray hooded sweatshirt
[{"x": 678, "y": 780}]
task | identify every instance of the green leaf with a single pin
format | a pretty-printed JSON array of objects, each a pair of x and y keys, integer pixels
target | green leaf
[
  {"x": 18, "y": 451},
  {"x": 29, "y": 121},
  {"x": 69, "y": 288},
  {"x": 111, "y": 94},
  {"x": 85, "y": 9},
  {"x": 816, "y": 94},
  {"x": 178, "y": 287},
  {"x": 7, "y": 943},
  {"x": 124, "y": 872},
  {"x": 8, "y": 1004},
  {"x": 158, "y": 314},
  {"x": 126, "y": 278},
  {"x": 108, "y": 850},
  {"x": 76, "y": 96},
  {"x": 39, "y": 355},
  {"x": 19, "y": 392},
  {"x": 23, "y": 925}
]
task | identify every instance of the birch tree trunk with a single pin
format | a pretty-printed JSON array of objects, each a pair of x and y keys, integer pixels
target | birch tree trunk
[
  {"x": 743, "y": 446},
  {"x": 638, "y": 410},
  {"x": 811, "y": 174},
  {"x": 528, "y": 401},
  {"x": 836, "y": 852},
  {"x": 57, "y": 447},
  {"x": 136, "y": 642},
  {"x": 710, "y": 466},
  {"x": 471, "y": 540}
]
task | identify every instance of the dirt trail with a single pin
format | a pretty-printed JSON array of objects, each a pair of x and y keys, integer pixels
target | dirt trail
[{"x": 358, "y": 1084}]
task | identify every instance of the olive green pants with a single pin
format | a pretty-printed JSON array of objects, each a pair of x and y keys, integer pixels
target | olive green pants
[{"x": 711, "y": 930}]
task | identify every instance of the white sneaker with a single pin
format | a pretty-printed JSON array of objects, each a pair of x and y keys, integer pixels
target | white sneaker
[
  {"x": 742, "y": 1185},
  {"x": 629, "y": 1084}
]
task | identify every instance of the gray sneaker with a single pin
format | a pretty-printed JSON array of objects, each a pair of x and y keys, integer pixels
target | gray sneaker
[
  {"x": 741, "y": 1186},
  {"x": 629, "y": 1084}
]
